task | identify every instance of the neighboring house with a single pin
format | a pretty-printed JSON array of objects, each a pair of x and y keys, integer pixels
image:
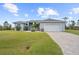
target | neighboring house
[{"x": 46, "y": 25}]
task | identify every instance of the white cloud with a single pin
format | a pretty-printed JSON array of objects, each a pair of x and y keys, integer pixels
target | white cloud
[
  {"x": 11, "y": 8},
  {"x": 74, "y": 10},
  {"x": 15, "y": 14},
  {"x": 26, "y": 15},
  {"x": 40, "y": 11},
  {"x": 45, "y": 12},
  {"x": 70, "y": 13},
  {"x": 51, "y": 12},
  {"x": 69, "y": 17}
]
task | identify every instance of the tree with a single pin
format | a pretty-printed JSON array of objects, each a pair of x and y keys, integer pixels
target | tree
[
  {"x": 65, "y": 19},
  {"x": 1, "y": 28},
  {"x": 25, "y": 27},
  {"x": 37, "y": 26},
  {"x": 10, "y": 27},
  {"x": 6, "y": 26},
  {"x": 33, "y": 26},
  {"x": 72, "y": 25},
  {"x": 18, "y": 27}
]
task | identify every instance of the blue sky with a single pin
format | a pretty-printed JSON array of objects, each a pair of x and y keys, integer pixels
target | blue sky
[{"x": 30, "y": 11}]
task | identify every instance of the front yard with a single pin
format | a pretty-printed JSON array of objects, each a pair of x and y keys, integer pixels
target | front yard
[
  {"x": 73, "y": 31},
  {"x": 29, "y": 43}
]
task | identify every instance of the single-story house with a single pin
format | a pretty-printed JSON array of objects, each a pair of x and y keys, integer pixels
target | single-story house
[{"x": 46, "y": 25}]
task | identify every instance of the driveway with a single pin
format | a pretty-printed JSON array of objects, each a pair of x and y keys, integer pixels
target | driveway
[{"x": 69, "y": 43}]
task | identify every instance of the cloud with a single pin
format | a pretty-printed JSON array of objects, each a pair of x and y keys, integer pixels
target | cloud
[
  {"x": 74, "y": 10},
  {"x": 15, "y": 14},
  {"x": 51, "y": 12},
  {"x": 70, "y": 17},
  {"x": 26, "y": 15},
  {"x": 45, "y": 12},
  {"x": 40, "y": 11},
  {"x": 70, "y": 13},
  {"x": 11, "y": 8}
]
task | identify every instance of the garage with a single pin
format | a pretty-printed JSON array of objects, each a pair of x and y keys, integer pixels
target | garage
[{"x": 52, "y": 26}]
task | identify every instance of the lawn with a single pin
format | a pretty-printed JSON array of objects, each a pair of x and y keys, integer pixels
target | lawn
[
  {"x": 27, "y": 43},
  {"x": 73, "y": 31}
]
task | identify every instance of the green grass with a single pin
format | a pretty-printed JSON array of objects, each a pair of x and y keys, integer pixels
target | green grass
[
  {"x": 27, "y": 43},
  {"x": 73, "y": 31}
]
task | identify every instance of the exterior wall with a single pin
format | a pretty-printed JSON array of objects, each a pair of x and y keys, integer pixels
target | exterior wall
[
  {"x": 46, "y": 26},
  {"x": 22, "y": 27},
  {"x": 52, "y": 26},
  {"x": 41, "y": 26}
]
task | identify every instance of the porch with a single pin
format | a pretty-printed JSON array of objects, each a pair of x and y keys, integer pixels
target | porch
[{"x": 26, "y": 26}]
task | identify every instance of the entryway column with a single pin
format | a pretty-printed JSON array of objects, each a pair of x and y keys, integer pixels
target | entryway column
[
  {"x": 22, "y": 27},
  {"x": 28, "y": 25},
  {"x": 15, "y": 27}
]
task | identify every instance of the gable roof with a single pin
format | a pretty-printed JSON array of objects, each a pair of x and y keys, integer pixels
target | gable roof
[
  {"x": 40, "y": 21},
  {"x": 20, "y": 22},
  {"x": 52, "y": 20}
]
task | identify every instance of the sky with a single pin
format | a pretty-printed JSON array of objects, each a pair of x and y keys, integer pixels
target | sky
[{"x": 12, "y": 12}]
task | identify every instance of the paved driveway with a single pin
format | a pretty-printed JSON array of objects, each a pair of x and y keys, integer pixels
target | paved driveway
[{"x": 69, "y": 43}]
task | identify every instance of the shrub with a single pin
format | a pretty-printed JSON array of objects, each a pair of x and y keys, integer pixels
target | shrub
[
  {"x": 33, "y": 29},
  {"x": 18, "y": 27},
  {"x": 76, "y": 28}
]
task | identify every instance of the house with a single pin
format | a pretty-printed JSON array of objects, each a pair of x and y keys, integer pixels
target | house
[{"x": 46, "y": 25}]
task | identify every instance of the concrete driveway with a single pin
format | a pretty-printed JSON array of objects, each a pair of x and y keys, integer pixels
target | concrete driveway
[{"x": 69, "y": 43}]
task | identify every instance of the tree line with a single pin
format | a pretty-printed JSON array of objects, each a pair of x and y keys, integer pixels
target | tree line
[
  {"x": 6, "y": 26},
  {"x": 71, "y": 24}
]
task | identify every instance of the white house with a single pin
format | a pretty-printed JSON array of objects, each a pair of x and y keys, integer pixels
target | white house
[{"x": 46, "y": 25}]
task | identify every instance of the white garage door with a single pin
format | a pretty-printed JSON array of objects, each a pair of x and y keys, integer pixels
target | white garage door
[{"x": 53, "y": 27}]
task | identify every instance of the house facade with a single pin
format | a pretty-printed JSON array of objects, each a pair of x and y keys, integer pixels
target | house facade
[{"x": 45, "y": 25}]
